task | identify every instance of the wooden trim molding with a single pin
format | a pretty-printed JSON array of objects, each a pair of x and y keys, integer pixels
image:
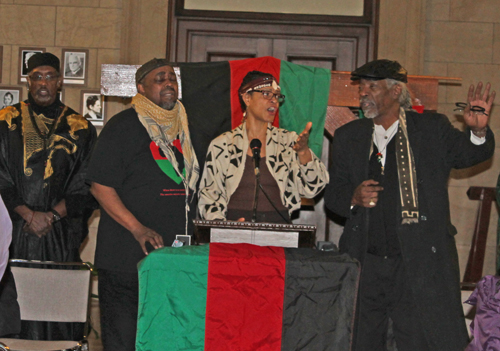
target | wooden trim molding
[{"x": 367, "y": 18}]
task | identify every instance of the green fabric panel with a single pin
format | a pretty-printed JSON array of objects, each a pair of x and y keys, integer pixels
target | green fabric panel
[
  {"x": 306, "y": 91},
  {"x": 176, "y": 322}
]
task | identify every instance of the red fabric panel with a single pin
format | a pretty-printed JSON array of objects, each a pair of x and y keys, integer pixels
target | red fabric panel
[
  {"x": 239, "y": 69},
  {"x": 245, "y": 292}
]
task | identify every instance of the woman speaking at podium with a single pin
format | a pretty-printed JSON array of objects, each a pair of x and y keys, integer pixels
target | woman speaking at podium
[{"x": 257, "y": 152}]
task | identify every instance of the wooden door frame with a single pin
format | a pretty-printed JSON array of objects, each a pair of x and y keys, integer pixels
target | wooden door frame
[
  {"x": 367, "y": 18},
  {"x": 285, "y": 25}
]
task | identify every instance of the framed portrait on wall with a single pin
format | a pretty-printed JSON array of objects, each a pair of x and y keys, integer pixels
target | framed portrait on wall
[
  {"x": 92, "y": 106},
  {"x": 74, "y": 67},
  {"x": 9, "y": 96},
  {"x": 24, "y": 56}
]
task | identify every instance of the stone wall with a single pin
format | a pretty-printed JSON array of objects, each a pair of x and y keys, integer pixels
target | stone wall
[
  {"x": 462, "y": 39},
  {"x": 94, "y": 25},
  {"x": 451, "y": 38}
]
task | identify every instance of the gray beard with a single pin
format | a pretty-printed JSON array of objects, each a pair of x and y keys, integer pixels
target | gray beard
[
  {"x": 168, "y": 105},
  {"x": 370, "y": 113}
]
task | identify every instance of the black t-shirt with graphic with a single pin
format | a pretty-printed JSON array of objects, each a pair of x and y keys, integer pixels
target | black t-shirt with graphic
[{"x": 126, "y": 159}]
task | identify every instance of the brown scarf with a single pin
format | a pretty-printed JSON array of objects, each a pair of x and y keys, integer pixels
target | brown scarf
[{"x": 164, "y": 126}]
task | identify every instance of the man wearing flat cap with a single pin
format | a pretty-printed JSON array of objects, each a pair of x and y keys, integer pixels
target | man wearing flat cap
[
  {"x": 143, "y": 173},
  {"x": 389, "y": 179},
  {"x": 44, "y": 152}
]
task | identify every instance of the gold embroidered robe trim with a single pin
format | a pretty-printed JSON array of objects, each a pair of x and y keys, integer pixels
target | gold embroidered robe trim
[
  {"x": 34, "y": 143},
  {"x": 76, "y": 123},
  {"x": 8, "y": 114}
]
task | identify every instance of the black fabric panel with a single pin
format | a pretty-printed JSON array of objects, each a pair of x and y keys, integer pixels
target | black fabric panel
[
  {"x": 206, "y": 97},
  {"x": 320, "y": 294}
]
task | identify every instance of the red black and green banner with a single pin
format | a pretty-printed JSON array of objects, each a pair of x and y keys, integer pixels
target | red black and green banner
[
  {"x": 245, "y": 297},
  {"x": 210, "y": 95}
]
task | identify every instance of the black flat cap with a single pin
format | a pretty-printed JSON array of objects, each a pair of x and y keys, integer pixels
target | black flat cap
[
  {"x": 381, "y": 69},
  {"x": 43, "y": 59},
  {"x": 149, "y": 66}
]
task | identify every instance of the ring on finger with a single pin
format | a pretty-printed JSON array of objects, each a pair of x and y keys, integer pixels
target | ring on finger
[{"x": 372, "y": 203}]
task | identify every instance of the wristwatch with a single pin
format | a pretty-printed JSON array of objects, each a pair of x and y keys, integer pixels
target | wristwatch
[{"x": 55, "y": 215}]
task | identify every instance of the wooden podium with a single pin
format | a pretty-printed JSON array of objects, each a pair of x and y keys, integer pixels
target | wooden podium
[{"x": 262, "y": 234}]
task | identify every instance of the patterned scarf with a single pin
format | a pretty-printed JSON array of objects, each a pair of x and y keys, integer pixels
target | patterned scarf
[
  {"x": 407, "y": 173},
  {"x": 164, "y": 126}
]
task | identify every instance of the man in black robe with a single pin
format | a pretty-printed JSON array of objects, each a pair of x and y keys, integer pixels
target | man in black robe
[{"x": 44, "y": 151}]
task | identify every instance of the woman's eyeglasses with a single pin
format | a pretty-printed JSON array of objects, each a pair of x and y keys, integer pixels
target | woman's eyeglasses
[{"x": 268, "y": 95}]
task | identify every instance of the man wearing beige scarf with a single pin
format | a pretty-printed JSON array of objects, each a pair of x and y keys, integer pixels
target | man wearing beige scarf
[{"x": 143, "y": 173}]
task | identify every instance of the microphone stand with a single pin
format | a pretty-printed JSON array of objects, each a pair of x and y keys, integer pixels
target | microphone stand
[
  {"x": 274, "y": 206},
  {"x": 255, "y": 146},
  {"x": 257, "y": 186}
]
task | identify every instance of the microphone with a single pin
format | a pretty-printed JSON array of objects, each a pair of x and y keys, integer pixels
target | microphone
[{"x": 255, "y": 146}]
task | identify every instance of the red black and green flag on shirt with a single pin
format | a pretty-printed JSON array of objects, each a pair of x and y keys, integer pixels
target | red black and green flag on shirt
[
  {"x": 210, "y": 96},
  {"x": 244, "y": 297},
  {"x": 164, "y": 163}
]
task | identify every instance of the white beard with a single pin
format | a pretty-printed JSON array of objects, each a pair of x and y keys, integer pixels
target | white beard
[{"x": 370, "y": 111}]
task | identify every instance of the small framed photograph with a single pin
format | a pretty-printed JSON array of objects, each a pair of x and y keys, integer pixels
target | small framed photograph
[
  {"x": 24, "y": 56},
  {"x": 9, "y": 96},
  {"x": 92, "y": 107},
  {"x": 75, "y": 66}
]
